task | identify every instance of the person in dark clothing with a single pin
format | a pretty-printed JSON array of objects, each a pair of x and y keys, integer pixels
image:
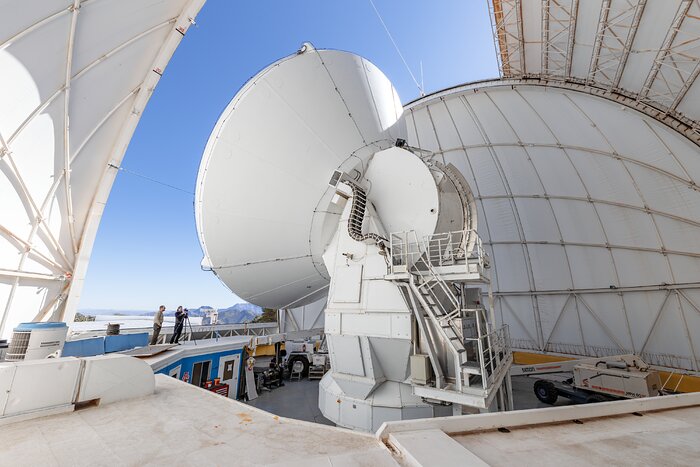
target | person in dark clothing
[{"x": 180, "y": 316}]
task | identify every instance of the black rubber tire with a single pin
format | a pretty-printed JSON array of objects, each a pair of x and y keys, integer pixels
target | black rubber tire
[
  {"x": 305, "y": 362},
  {"x": 546, "y": 391},
  {"x": 593, "y": 398}
]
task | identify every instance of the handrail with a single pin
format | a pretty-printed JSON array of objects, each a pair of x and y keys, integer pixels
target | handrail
[
  {"x": 423, "y": 261},
  {"x": 168, "y": 327},
  {"x": 490, "y": 347},
  {"x": 439, "y": 249}
]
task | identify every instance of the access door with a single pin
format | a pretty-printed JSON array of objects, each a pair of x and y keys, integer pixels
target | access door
[
  {"x": 229, "y": 368},
  {"x": 200, "y": 373}
]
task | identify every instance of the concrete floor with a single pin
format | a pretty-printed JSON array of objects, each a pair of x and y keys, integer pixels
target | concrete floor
[
  {"x": 215, "y": 430},
  {"x": 296, "y": 399},
  {"x": 299, "y": 399},
  {"x": 182, "y": 425},
  {"x": 656, "y": 438}
]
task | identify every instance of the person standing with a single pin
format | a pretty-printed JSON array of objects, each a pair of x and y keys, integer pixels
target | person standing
[
  {"x": 157, "y": 324},
  {"x": 180, "y": 316}
]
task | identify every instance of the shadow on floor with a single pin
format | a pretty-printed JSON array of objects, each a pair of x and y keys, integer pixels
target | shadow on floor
[
  {"x": 299, "y": 399},
  {"x": 524, "y": 395},
  {"x": 296, "y": 399}
]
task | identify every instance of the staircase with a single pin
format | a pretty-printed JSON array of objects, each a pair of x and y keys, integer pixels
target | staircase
[
  {"x": 480, "y": 359},
  {"x": 427, "y": 289}
]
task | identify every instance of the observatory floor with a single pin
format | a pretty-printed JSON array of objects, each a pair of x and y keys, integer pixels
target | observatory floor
[
  {"x": 654, "y": 438},
  {"x": 299, "y": 399},
  {"x": 183, "y": 425}
]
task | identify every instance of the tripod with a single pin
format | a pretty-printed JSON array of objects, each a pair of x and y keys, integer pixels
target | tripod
[{"x": 187, "y": 322}]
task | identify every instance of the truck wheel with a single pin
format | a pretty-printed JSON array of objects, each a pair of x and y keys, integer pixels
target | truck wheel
[
  {"x": 305, "y": 362},
  {"x": 546, "y": 392}
]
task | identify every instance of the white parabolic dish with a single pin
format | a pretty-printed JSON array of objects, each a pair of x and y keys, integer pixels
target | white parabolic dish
[{"x": 262, "y": 205}]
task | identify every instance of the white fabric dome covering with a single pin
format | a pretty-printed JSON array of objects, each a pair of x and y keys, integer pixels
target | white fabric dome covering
[
  {"x": 75, "y": 77},
  {"x": 590, "y": 212}
]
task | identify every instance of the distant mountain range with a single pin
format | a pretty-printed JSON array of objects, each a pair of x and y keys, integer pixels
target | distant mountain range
[{"x": 238, "y": 313}]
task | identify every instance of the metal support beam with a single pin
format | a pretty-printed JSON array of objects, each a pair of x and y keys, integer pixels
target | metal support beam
[
  {"x": 662, "y": 251},
  {"x": 66, "y": 127},
  {"x": 685, "y": 220},
  {"x": 556, "y": 322},
  {"x": 605, "y": 290},
  {"x": 508, "y": 32},
  {"x": 30, "y": 275},
  {"x": 601, "y": 323},
  {"x": 656, "y": 320},
  {"x": 597, "y": 43},
  {"x": 614, "y": 39},
  {"x": 558, "y": 36},
  {"x": 675, "y": 66},
  {"x": 627, "y": 48}
]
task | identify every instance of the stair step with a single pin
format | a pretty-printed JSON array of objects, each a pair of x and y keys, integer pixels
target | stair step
[{"x": 471, "y": 369}]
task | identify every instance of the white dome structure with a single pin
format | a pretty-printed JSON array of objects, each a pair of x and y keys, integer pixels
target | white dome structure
[
  {"x": 584, "y": 159},
  {"x": 76, "y": 76},
  {"x": 589, "y": 210}
]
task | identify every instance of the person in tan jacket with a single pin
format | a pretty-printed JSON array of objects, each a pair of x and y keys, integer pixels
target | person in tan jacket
[{"x": 157, "y": 324}]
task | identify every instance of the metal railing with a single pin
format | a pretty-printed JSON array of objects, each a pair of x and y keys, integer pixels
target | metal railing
[
  {"x": 448, "y": 248},
  {"x": 405, "y": 250},
  {"x": 203, "y": 331},
  {"x": 440, "y": 249},
  {"x": 493, "y": 351}
]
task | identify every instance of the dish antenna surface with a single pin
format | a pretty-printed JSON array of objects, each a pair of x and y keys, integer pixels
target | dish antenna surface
[{"x": 263, "y": 201}]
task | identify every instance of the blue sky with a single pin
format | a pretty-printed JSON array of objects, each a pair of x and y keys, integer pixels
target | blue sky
[{"x": 147, "y": 252}]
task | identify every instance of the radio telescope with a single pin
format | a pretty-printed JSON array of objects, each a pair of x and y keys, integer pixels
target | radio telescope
[{"x": 307, "y": 188}]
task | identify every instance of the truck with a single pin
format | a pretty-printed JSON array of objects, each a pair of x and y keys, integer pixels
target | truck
[
  {"x": 308, "y": 352},
  {"x": 594, "y": 379}
]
